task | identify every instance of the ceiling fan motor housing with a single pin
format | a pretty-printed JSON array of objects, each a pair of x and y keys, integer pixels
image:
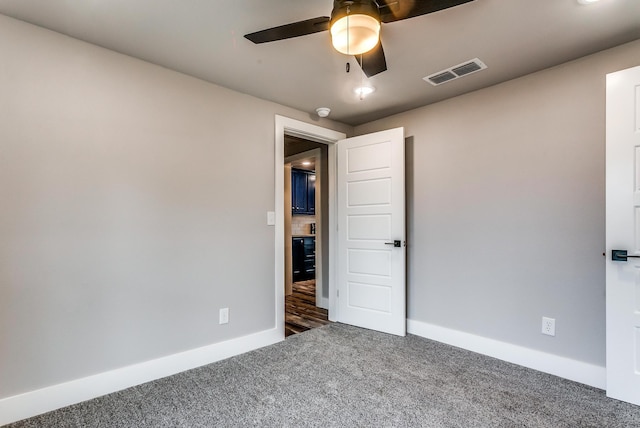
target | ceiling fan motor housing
[{"x": 355, "y": 7}]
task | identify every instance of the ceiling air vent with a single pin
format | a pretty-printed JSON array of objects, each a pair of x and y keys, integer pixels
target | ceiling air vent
[
  {"x": 442, "y": 77},
  {"x": 455, "y": 72},
  {"x": 467, "y": 68}
]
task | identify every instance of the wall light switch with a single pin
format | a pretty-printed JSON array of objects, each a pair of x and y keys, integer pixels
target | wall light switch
[
  {"x": 271, "y": 218},
  {"x": 224, "y": 316}
]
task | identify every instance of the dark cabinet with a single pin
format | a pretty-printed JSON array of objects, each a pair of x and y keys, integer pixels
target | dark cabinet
[
  {"x": 303, "y": 254},
  {"x": 303, "y": 192}
]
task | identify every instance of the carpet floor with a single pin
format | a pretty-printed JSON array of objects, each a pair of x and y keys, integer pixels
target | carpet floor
[{"x": 342, "y": 376}]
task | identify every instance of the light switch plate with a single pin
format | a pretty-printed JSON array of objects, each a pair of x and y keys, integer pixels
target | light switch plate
[
  {"x": 271, "y": 218},
  {"x": 224, "y": 316}
]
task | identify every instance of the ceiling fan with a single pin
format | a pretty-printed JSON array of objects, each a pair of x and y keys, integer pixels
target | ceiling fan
[{"x": 355, "y": 27}]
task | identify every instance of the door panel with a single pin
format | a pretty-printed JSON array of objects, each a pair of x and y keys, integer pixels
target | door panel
[
  {"x": 370, "y": 262},
  {"x": 369, "y": 157},
  {"x": 623, "y": 233},
  {"x": 370, "y": 297},
  {"x": 371, "y": 216},
  {"x": 371, "y": 192},
  {"x": 369, "y": 227}
]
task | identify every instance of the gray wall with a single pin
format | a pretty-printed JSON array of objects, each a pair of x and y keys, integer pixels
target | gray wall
[
  {"x": 132, "y": 200},
  {"x": 506, "y": 207}
]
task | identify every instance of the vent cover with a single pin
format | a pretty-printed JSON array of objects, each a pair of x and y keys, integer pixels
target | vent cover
[
  {"x": 455, "y": 72},
  {"x": 442, "y": 77}
]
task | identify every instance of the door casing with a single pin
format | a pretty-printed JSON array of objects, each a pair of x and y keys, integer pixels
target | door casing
[{"x": 287, "y": 126}]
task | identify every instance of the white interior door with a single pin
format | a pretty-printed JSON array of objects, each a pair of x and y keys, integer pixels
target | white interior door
[
  {"x": 623, "y": 233},
  {"x": 371, "y": 232}
]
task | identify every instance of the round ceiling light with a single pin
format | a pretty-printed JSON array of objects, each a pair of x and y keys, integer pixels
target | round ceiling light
[{"x": 587, "y": 1}]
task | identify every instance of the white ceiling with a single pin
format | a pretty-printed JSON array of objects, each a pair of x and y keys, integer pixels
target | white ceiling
[{"x": 205, "y": 39}]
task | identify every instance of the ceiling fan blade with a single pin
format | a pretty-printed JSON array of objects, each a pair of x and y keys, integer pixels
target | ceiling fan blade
[
  {"x": 395, "y": 10},
  {"x": 288, "y": 31},
  {"x": 373, "y": 62}
]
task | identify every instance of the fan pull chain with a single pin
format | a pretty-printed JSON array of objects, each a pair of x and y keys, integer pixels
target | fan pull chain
[
  {"x": 361, "y": 76},
  {"x": 348, "y": 30}
]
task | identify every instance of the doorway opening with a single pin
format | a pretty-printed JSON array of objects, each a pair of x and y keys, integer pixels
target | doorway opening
[
  {"x": 306, "y": 222},
  {"x": 285, "y": 126}
]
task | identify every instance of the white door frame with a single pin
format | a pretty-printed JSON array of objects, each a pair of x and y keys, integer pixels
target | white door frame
[{"x": 296, "y": 128}]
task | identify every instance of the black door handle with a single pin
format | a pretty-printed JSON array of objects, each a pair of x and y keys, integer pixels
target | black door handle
[
  {"x": 395, "y": 243},
  {"x": 621, "y": 256}
]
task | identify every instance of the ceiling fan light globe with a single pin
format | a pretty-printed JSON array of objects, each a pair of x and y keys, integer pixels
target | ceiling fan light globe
[{"x": 355, "y": 34}]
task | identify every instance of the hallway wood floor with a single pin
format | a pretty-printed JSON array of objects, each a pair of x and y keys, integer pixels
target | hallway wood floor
[{"x": 301, "y": 312}]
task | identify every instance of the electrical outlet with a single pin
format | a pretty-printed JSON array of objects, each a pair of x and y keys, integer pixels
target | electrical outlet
[
  {"x": 224, "y": 316},
  {"x": 549, "y": 326}
]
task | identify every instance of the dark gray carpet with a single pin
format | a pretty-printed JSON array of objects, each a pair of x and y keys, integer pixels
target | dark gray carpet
[{"x": 342, "y": 376}]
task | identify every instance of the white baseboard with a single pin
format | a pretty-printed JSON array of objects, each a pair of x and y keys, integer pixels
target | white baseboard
[
  {"x": 43, "y": 400},
  {"x": 567, "y": 368}
]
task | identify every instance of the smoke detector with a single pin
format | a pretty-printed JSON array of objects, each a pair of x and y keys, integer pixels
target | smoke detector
[{"x": 323, "y": 111}]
